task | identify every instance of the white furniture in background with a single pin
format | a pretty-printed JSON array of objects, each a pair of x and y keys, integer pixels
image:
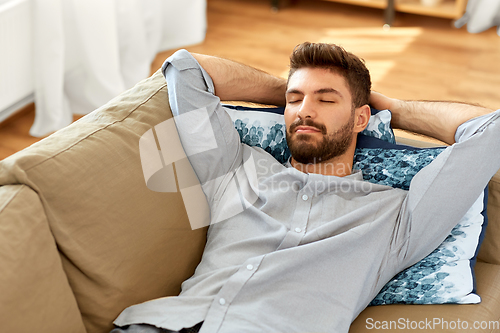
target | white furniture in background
[
  {"x": 481, "y": 15},
  {"x": 85, "y": 52},
  {"x": 452, "y": 9},
  {"x": 16, "y": 55}
]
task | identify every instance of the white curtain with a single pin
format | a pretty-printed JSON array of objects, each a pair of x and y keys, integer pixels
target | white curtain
[
  {"x": 88, "y": 51},
  {"x": 481, "y": 15}
]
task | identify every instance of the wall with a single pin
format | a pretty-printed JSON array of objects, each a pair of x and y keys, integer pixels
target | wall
[{"x": 16, "y": 64}]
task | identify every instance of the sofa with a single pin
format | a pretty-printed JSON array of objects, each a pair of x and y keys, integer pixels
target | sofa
[{"x": 82, "y": 237}]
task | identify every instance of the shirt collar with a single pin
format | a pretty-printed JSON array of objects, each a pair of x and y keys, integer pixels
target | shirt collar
[{"x": 356, "y": 174}]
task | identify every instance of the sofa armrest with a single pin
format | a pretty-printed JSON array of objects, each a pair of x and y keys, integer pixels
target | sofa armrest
[
  {"x": 490, "y": 249},
  {"x": 35, "y": 293},
  {"x": 120, "y": 243}
]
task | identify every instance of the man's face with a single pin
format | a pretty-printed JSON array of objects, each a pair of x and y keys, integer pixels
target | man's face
[{"x": 319, "y": 115}]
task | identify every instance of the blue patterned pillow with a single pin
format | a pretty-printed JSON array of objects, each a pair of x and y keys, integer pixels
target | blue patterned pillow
[
  {"x": 444, "y": 276},
  {"x": 261, "y": 127}
]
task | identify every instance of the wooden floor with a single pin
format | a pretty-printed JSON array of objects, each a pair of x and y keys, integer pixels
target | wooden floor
[{"x": 418, "y": 58}]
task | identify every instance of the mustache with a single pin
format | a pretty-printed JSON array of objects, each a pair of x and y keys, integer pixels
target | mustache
[{"x": 306, "y": 122}]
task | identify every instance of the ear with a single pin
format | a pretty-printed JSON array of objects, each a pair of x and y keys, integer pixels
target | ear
[{"x": 361, "y": 118}]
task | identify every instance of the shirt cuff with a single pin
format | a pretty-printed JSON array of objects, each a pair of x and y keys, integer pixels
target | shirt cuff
[
  {"x": 475, "y": 125},
  {"x": 182, "y": 60}
]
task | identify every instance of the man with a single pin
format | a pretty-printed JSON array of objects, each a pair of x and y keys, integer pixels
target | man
[{"x": 309, "y": 256}]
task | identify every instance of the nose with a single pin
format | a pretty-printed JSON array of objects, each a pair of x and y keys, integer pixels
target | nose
[{"x": 306, "y": 109}]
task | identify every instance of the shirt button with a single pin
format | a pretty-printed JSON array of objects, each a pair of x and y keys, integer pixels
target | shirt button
[
  {"x": 305, "y": 197},
  {"x": 249, "y": 267},
  {"x": 298, "y": 230},
  {"x": 222, "y": 301}
]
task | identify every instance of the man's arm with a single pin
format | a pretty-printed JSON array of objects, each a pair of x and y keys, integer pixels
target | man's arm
[
  {"x": 206, "y": 131},
  {"x": 439, "y": 120},
  {"x": 237, "y": 82}
]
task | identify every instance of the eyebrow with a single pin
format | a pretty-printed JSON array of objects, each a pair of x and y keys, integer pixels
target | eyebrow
[{"x": 319, "y": 91}]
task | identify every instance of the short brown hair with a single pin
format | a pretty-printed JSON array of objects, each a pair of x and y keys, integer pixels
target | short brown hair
[{"x": 338, "y": 60}]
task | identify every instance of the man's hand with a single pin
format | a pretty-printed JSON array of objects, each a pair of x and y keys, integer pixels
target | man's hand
[
  {"x": 437, "y": 119},
  {"x": 237, "y": 82},
  {"x": 381, "y": 102}
]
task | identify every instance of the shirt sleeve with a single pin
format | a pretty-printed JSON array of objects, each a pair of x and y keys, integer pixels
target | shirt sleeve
[
  {"x": 206, "y": 131},
  {"x": 442, "y": 192}
]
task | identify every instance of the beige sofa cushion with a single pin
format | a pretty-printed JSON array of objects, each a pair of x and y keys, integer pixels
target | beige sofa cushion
[
  {"x": 34, "y": 292},
  {"x": 486, "y": 313},
  {"x": 490, "y": 249},
  {"x": 120, "y": 242}
]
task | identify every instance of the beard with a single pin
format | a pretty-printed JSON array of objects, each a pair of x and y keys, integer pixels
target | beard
[{"x": 305, "y": 150}]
